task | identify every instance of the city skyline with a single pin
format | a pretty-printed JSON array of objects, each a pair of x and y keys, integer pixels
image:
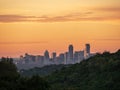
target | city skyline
[
  {"x": 70, "y": 56},
  {"x": 35, "y": 25}
]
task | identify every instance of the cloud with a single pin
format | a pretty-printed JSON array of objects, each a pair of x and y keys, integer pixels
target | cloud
[
  {"x": 44, "y": 18},
  {"x": 94, "y": 14},
  {"x": 112, "y": 39},
  {"x": 108, "y": 9},
  {"x": 13, "y": 18},
  {"x": 8, "y": 43}
]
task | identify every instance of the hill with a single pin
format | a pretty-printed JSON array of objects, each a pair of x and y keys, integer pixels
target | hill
[
  {"x": 11, "y": 80},
  {"x": 101, "y": 72},
  {"x": 43, "y": 71}
]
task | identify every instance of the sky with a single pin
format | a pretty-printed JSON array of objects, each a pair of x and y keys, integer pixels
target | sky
[{"x": 32, "y": 26}]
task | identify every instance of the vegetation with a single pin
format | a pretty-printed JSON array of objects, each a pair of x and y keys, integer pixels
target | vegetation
[
  {"x": 10, "y": 79},
  {"x": 43, "y": 71},
  {"x": 101, "y": 72}
]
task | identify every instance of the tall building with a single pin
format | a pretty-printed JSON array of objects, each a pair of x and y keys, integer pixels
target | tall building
[
  {"x": 54, "y": 55},
  {"x": 70, "y": 53},
  {"x": 87, "y": 50},
  {"x": 66, "y": 58},
  {"x": 61, "y": 58},
  {"x": 46, "y": 57},
  {"x": 80, "y": 56},
  {"x": 76, "y": 56},
  {"x": 54, "y": 58}
]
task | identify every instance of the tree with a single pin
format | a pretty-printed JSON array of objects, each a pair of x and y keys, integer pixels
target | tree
[{"x": 37, "y": 83}]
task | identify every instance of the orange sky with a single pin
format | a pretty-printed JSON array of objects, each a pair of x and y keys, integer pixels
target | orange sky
[{"x": 35, "y": 25}]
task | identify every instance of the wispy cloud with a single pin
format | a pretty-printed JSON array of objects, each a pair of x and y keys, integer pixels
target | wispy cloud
[
  {"x": 13, "y": 18},
  {"x": 8, "y": 43},
  {"x": 110, "y": 39},
  {"x": 108, "y": 9},
  {"x": 95, "y": 14}
]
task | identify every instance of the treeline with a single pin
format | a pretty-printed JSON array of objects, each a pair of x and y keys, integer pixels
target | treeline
[{"x": 10, "y": 79}]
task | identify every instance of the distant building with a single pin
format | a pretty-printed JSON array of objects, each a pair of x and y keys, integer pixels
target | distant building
[
  {"x": 61, "y": 58},
  {"x": 76, "y": 56},
  {"x": 29, "y": 61},
  {"x": 46, "y": 57},
  {"x": 70, "y": 54},
  {"x": 54, "y": 55},
  {"x": 87, "y": 50},
  {"x": 66, "y": 58},
  {"x": 80, "y": 56}
]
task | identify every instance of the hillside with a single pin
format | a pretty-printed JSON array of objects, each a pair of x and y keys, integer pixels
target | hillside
[
  {"x": 10, "y": 79},
  {"x": 101, "y": 72},
  {"x": 43, "y": 71}
]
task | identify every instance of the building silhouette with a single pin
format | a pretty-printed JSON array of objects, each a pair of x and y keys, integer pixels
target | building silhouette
[
  {"x": 70, "y": 54},
  {"x": 46, "y": 57},
  {"x": 70, "y": 57},
  {"x": 54, "y": 55},
  {"x": 87, "y": 50}
]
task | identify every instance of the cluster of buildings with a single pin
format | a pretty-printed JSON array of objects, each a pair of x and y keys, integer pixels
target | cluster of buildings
[{"x": 69, "y": 57}]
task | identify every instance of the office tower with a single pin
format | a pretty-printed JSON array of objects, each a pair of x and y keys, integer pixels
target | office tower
[
  {"x": 46, "y": 57},
  {"x": 87, "y": 51},
  {"x": 88, "y": 48},
  {"x": 70, "y": 53},
  {"x": 61, "y": 58},
  {"x": 53, "y": 58},
  {"x": 54, "y": 55},
  {"x": 80, "y": 56},
  {"x": 66, "y": 58},
  {"x": 46, "y": 54},
  {"x": 76, "y": 56}
]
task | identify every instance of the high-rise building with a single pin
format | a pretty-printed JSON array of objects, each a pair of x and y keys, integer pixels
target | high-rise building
[
  {"x": 87, "y": 50},
  {"x": 76, "y": 56},
  {"x": 46, "y": 54},
  {"x": 46, "y": 57},
  {"x": 61, "y": 58},
  {"x": 80, "y": 56},
  {"x": 66, "y": 58},
  {"x": 54, "y": 55},
  {"x": 70, "y": 54}
]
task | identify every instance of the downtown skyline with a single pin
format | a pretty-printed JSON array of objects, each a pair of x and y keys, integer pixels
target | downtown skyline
[
  {"x": 70, "y": 56},
  {"x": 36, "y": 25}
]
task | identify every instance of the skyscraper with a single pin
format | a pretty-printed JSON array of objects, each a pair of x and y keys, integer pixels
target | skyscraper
[
  {"x": 87, "y": 48},
  {"x": 66, "y": 58},
  {"x": 54, "y": 55},
  {"x": 46, "y": 57},
  {"x": 46, "y": 54},
  {"x": 70, "y": 54}
]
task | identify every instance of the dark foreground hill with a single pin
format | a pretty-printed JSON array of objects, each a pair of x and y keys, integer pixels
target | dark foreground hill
[
  {"x": 101, "y": 72},
  {"x": 10, "y": 79}
]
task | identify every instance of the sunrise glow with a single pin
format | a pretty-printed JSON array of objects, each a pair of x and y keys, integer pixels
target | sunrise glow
[{"x": 33, "y": 26}]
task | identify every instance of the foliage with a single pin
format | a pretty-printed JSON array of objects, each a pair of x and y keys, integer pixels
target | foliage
[
  {"x": 10, "y": 79},
  {"x": 43, "y": 71},
  {"x": 101, "y": 72}
]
